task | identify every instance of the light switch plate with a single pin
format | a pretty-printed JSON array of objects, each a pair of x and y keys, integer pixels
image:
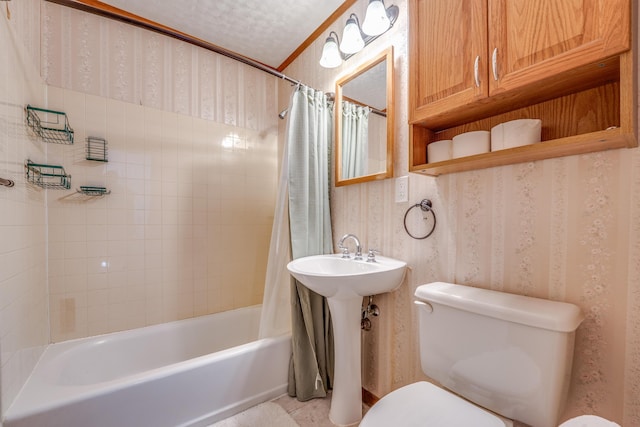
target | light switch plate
[{"x": 402, "y": 189}]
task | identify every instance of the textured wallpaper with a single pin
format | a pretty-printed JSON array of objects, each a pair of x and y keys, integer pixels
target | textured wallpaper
[
  {"x": 560, "y": 229},
  {"x": 98, "y": 56},
  {"x": 566, "y": 229}
]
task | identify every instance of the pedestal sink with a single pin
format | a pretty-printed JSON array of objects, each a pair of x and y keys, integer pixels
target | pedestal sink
[{"x": 344, "y": 282}]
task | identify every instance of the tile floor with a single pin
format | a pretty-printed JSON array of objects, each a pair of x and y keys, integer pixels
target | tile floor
[{"x": 313, "y": 413}]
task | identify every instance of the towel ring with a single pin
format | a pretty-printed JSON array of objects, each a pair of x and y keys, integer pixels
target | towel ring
[{"x": 426, "y": 206}]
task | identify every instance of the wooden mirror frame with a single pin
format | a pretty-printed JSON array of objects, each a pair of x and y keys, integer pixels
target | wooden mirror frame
[{"x": 386, "y": 55}]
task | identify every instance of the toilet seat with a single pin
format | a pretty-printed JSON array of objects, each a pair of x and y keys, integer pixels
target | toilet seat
[{"x": 424, "y": 404}]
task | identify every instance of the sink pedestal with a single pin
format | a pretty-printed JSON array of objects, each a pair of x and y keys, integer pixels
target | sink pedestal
[
  {"x": 344, "y": 282},
  {"x": 346, "y": 400}
]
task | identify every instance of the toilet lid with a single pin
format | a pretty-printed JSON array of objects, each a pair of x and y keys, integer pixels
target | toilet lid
[{"x": 424, "y": 404}]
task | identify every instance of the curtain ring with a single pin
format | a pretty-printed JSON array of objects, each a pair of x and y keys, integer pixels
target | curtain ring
[{"x": 426, "y": 206}]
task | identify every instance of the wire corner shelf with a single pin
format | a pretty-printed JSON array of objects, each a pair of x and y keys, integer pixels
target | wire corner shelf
[
  {"x": 47, "y": 176},
  {"x": 52, "y": 126}
]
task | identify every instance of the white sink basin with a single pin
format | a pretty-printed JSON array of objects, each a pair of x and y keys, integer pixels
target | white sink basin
[
  {"x": 335, "y": 277},
  {"x": 344, "y": 282}
]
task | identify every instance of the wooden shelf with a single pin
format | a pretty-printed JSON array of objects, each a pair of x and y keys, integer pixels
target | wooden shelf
[{"x": 579, "y": 144}]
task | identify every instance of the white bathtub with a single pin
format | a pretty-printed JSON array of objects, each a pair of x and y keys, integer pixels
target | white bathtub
[{"x": 188, "y": 373}]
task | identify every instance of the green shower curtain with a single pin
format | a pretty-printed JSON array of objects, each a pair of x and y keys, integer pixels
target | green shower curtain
[{"x": 309, "y": 141}]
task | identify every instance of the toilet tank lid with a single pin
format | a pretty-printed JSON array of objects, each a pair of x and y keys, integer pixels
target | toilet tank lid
[{"x": 535, "y": 312}]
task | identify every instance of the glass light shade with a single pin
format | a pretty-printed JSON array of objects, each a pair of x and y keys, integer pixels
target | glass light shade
[
  {"x": 331, "y": 57},
  {"x": 376, "y": 20},
  {"x": 351, "y": 38}
]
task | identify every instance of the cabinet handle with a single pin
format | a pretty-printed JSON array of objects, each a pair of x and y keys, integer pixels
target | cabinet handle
[
  {"x": 494, "y": 63},
  {"x": 476, "y": 71}
]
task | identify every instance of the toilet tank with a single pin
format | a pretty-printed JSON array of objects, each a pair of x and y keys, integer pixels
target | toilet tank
[{"x": 509, "y": 353}]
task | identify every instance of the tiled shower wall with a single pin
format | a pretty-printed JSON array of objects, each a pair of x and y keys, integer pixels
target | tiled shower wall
[
  {"x": 23, "y": 294},
  {"x": 192, "y": 141},
  {"x": 184, "y": 232},
  {"x": 192, "y": 150}
]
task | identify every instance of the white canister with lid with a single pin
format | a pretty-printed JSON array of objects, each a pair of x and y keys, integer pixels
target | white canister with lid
[
  {"x": 439, "y": 151},
  {"x": 471, "y": 143},
  {"x": 515, "y": 133}
]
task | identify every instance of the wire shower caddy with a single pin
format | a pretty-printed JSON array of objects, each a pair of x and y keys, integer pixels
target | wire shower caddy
[{"x": 52, "y": 126}]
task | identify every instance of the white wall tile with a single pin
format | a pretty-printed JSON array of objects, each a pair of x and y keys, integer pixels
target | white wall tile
[
  {"x": 145, "y": 230},
  {"x": 24, "y": 325}
]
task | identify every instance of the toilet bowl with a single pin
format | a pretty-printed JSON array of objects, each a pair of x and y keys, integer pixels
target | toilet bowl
[
  {"x": 498, "y": 357},
  {"x": 589, "y": 421},
  {"x": 424, "y": 404}
]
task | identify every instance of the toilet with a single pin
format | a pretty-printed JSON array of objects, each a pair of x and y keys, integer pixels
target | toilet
[{"x": 498, "y": 357}]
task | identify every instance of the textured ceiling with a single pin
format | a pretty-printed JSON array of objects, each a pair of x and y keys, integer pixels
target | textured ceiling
[{"x": 267, "y": 31}]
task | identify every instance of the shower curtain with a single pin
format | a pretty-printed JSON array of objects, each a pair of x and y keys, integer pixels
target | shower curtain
[
  {"x": 309, "y": 141},
  {"x": 355, "y": 137},
  {"x": 275, "y": 319}
]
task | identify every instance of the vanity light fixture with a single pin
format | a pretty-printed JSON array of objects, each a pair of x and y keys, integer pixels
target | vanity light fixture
[
  {"x": 377, "y": 21},
  {"x": 352, "y": 41},
  {"x": 331, "y": 56}
]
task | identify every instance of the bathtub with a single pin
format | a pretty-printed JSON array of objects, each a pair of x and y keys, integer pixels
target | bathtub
[{"x": 191, "y": 372}]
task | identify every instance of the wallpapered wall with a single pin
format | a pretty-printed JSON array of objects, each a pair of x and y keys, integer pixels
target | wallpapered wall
[
  {"x": 98, "y": 56},
  {"x": 564, "y": 229}
]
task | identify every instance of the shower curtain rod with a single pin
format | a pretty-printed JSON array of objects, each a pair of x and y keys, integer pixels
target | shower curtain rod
[
  {"x": 374, "y": 110},
  {"x": 102, "y": 9},
  {"x": 331, "y": 96}
]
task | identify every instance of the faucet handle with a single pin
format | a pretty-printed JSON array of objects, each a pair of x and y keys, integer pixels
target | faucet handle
[
  {"x": 345, "y": 251},
  {"x": 371, "y": 257}
]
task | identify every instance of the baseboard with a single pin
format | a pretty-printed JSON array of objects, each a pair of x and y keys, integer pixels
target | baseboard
[{"x": 369, "y": 398}]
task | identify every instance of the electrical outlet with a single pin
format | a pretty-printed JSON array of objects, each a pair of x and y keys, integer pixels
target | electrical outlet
[{"x": 402, "y": 189}]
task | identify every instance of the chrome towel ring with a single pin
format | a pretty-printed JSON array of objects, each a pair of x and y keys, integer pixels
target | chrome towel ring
[{"x": 426, "y": 206}]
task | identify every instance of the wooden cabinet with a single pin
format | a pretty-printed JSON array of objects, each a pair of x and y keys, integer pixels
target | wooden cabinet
[
  {"x": 533, "y": 40},
  {"x": 448, "y": 39},
  {"x": 475, "y": 63}
]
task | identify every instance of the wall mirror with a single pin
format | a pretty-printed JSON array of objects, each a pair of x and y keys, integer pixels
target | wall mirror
[{"x": 364, "y": 122}]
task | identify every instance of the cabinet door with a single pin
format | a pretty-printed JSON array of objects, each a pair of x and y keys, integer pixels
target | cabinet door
[
  {"x": 446, "y": 37},
  {"x": 533, "y": 40}
]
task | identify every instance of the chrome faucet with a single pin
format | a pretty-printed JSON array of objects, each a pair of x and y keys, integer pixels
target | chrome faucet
[{"x": 345, "y": 250}]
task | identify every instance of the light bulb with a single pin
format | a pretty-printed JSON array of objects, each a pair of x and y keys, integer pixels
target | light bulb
[
  {"x": 351, "y": 38},
  {"x": 376, "y": 20},
  {"x": 331, "y": 57}
]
